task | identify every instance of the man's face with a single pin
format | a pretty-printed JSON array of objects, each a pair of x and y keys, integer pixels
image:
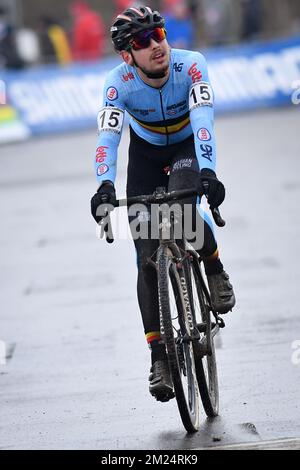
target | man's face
[{"x": 155, "y": 58}]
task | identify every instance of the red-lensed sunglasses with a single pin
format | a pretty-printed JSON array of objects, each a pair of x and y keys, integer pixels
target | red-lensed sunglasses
[{"x": 143, "y": 40}]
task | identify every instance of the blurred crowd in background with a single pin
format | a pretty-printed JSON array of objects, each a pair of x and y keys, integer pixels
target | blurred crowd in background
[{"x": 64, "y": 31}]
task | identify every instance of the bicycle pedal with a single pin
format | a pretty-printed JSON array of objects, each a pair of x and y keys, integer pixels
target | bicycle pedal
[
  {"x": 162, "y": 392},
  {"x": 164, "y": 397}
]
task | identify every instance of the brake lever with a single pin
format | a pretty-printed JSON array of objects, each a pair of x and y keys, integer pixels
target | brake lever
[
  {"x": 219, "y": 221},
  {"x": 106, "y": 228}
]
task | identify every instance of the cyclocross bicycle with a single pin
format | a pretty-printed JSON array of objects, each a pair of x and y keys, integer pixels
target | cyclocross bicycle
[{"x": 188, "y": 324}]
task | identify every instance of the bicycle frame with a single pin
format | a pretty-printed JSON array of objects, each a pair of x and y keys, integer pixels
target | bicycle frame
[{"x": 166, "y": 238}]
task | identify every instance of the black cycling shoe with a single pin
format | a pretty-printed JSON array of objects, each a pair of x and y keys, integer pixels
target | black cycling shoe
[
  {"x": 221, "y": 292},
  {"x": 161, "y": 386}
]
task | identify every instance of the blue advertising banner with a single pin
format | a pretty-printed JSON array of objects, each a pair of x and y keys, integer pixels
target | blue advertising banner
[
  {"x": 53, "y": 99},
  {"x": 255, "y": 76}
]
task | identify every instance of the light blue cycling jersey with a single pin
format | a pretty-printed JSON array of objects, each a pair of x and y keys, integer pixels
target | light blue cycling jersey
[{"x": 162, "y": 116}]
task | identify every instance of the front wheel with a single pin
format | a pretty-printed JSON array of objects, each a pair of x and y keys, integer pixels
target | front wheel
[
  {"x": 175, "y": 317},
  {"x": 206, "y": 365}
]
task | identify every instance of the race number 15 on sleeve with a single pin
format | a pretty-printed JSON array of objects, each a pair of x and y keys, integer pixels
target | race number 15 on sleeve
[
  {"x": 110, "y": 119},
  {"x": 201, "y": 94}
]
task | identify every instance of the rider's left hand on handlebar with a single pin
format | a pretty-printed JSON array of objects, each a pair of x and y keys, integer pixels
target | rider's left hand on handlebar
[
  {"x": 106, "y": 194},
  {"x": 212, "y": 188}
]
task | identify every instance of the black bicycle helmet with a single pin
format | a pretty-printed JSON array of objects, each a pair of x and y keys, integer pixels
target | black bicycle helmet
[{"x": 132, "y": 21}]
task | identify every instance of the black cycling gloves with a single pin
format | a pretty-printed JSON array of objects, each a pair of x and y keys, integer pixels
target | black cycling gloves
[
  {"x": 211, "y": 187},
  {"x": 106, "y": 194}
]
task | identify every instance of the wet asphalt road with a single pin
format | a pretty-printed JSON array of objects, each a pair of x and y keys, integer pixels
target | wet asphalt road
[{"x": 78, "y": 367}]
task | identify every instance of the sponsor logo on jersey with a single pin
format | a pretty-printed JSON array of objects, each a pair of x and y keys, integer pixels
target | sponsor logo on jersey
[
  {"x": 207, "y": 152},
  {"x": 112, "y": 93},
  {"x": 177, "y": 105},
  {"x": 178, "y": 67},
  {"x": 183, "y": 163},
  {"x": 101, "y": 154},
  {"x": 195, "y": 73},
  {"x": 127, "y": 77},
  {"x": 176, "y": 108},
  {"x": 144, "y": 112},
  {"x": 204, "y": 134},
  {"x": 102, "y": 169}
]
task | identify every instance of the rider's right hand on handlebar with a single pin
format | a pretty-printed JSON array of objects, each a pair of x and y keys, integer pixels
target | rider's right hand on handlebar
[
  {"x": 212, "y": 188},
  {"x": 106, "y": 194}
]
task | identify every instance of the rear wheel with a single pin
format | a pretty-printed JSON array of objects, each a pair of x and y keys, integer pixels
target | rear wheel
[
  {"x": 174, "y": 318},
  {"x": 206, "y": 365}
]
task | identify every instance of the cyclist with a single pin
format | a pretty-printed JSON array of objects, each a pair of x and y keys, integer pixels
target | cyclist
[{"x": 169, "y": 98}]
